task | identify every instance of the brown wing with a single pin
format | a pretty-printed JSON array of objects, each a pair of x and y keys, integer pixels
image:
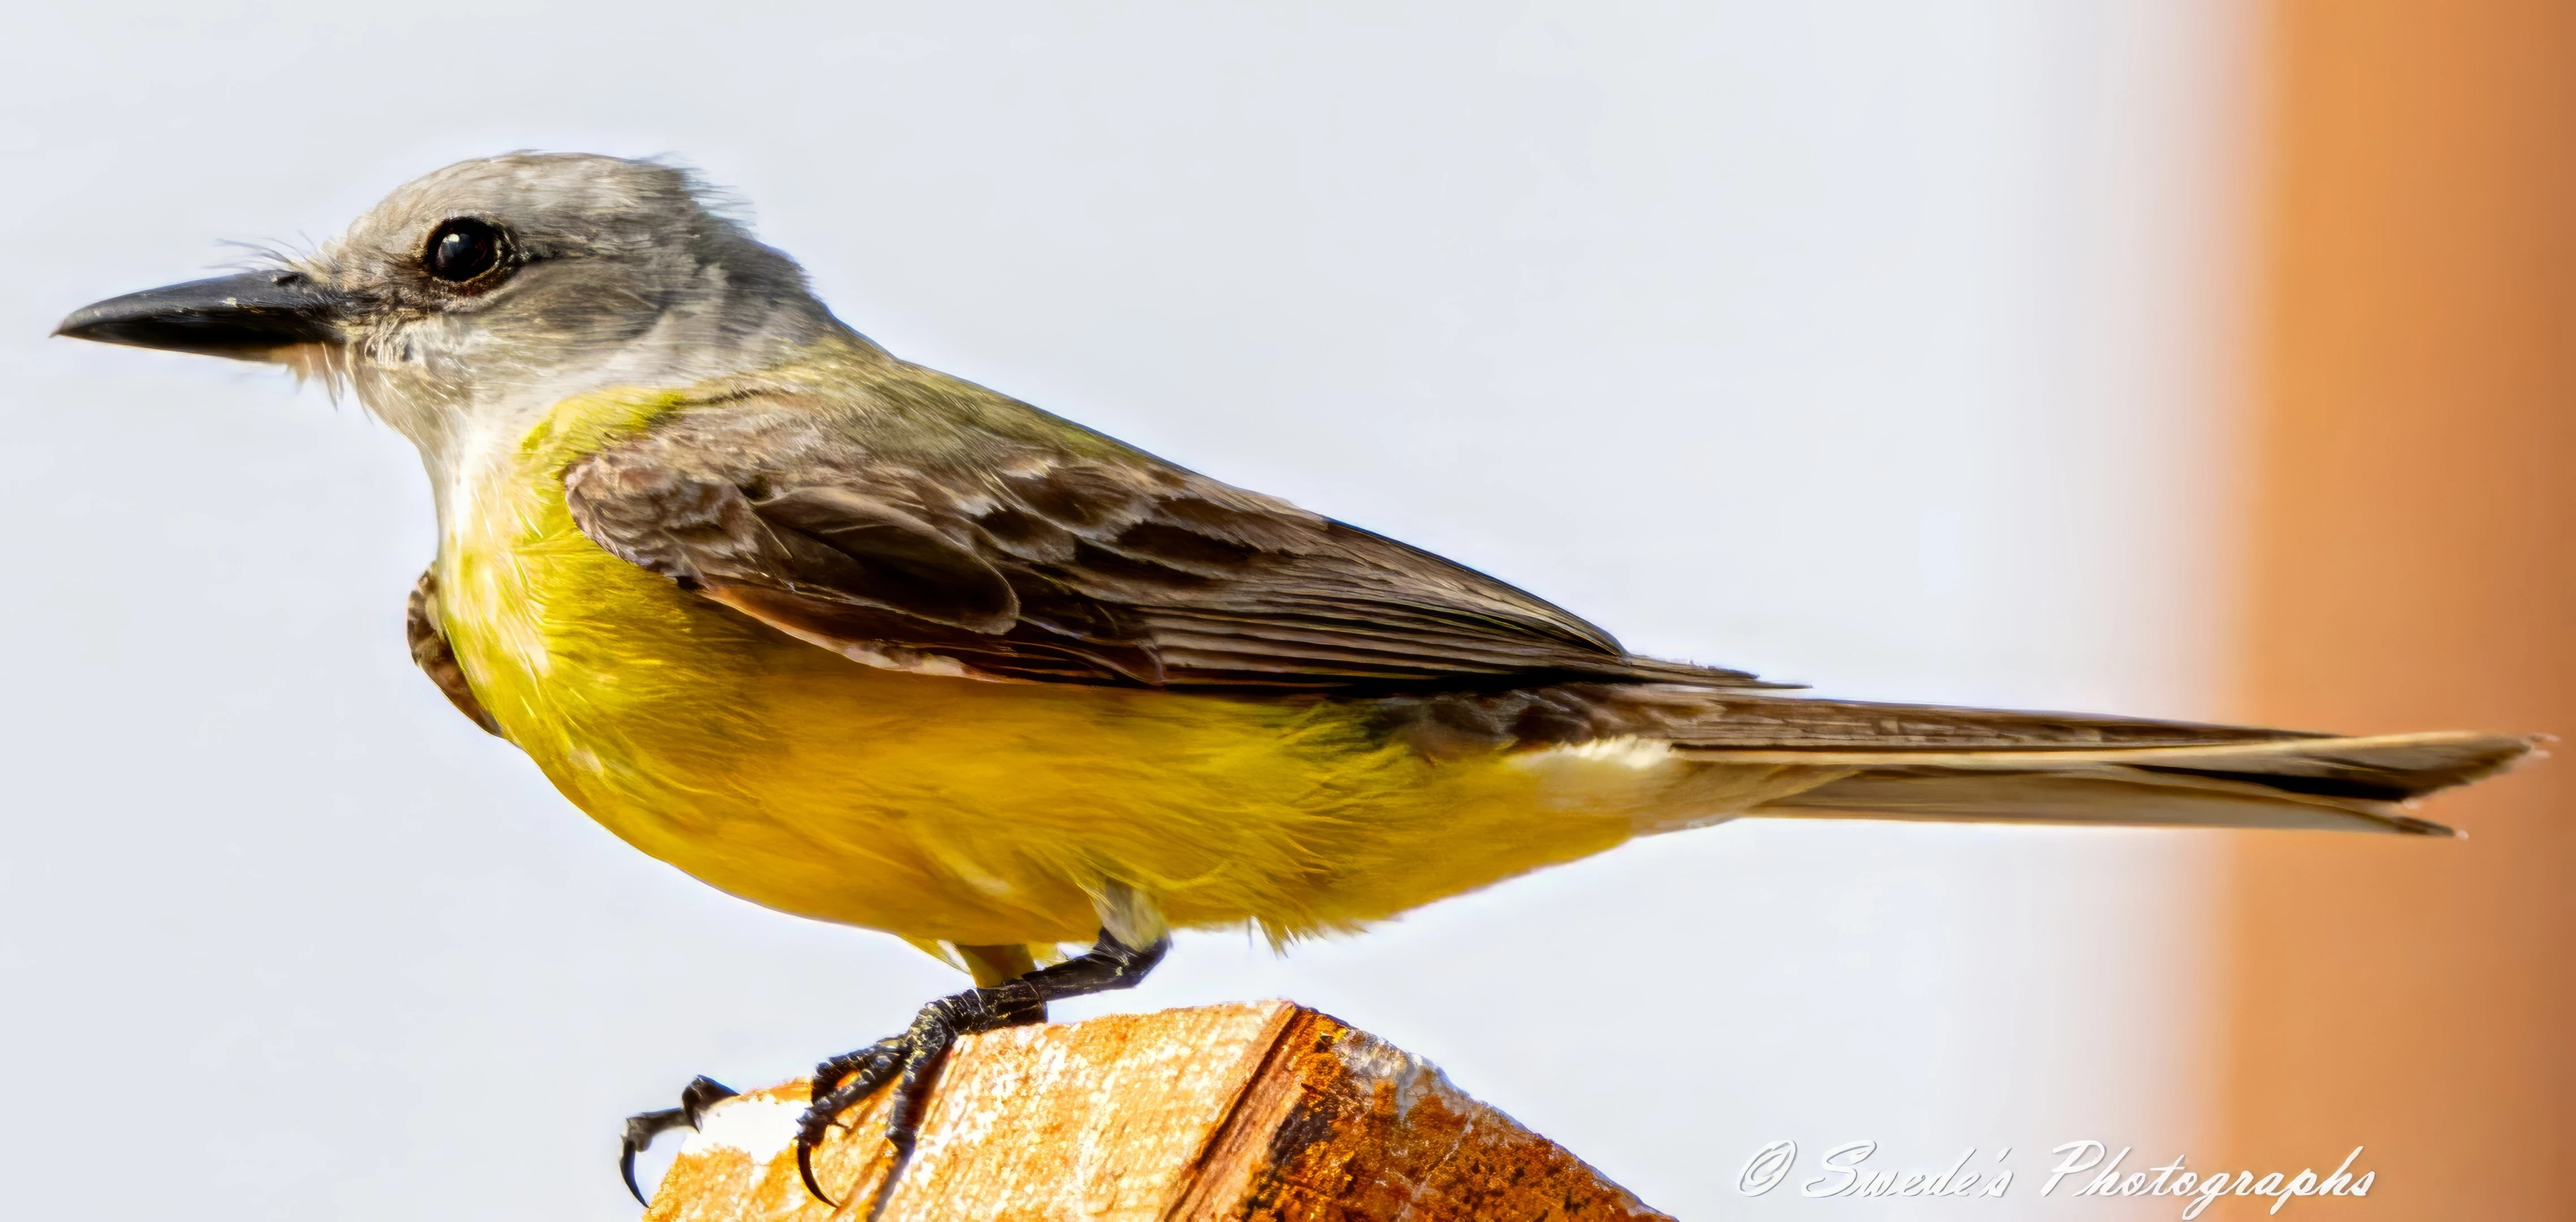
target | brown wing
[
  {"x": 430, "y": 651},
  {"x": 922, "y": 523}
]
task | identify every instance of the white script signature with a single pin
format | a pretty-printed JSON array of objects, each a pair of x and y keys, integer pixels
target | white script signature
[{"x": 1844, "y": 1175}]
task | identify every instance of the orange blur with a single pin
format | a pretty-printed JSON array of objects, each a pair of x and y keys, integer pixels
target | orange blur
[{"x": 2414, "y": 563}]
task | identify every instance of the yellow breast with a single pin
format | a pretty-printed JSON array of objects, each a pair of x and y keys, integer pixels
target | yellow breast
[{"x": 946, "y": 808}]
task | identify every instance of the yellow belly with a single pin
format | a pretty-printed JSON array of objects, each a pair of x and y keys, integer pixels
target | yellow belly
[{"x": 946, "y": 808}]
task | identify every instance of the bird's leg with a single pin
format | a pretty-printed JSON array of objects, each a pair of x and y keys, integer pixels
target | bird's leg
[
  {"x": 991, "y": 965},
  {"x": 701, "y": 1093},
  {"x": 911, "y": 1058}
]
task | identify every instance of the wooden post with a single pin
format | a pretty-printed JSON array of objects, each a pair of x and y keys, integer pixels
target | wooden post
[{"x": 1263, "y": 1110}]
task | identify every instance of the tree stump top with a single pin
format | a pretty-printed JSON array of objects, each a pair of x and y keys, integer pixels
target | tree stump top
[{"x": 1257, "y": 1111}]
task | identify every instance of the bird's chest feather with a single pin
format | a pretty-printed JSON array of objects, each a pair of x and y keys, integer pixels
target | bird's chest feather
[
  {"x": 610, "y": 677},
  {"x": 690, "y": 731}
]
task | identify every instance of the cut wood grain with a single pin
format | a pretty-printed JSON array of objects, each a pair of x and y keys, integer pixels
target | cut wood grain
[{"x": 1258, "y": 1111}]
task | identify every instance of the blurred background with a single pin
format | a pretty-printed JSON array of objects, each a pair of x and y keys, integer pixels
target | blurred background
[{"x": 2177, "y": 357}]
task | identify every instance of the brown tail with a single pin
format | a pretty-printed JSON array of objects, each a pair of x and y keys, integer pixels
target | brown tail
[
  {"x": 2306, "y": 782},
  {"x": 1863, "y": 760}
]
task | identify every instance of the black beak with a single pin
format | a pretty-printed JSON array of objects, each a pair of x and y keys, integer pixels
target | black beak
[{"x": 244, "y": 317}]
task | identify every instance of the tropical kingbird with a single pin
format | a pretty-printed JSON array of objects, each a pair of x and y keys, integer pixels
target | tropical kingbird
[{"x": 864, "y": 642}]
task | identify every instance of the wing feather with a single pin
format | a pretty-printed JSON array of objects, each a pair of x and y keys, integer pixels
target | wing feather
[
  {"x": 908, "y": 519},
  {"x": 427, "y": 635}
]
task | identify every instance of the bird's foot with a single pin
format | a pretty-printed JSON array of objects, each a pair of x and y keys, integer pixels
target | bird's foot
[
  {"x": 911, "y": 1060},
  {"x": 701, "y": 1093}
]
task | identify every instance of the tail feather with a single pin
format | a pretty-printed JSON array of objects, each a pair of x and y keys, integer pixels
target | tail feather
[
  {"x": 2343, "y": 783},
  {"x": 1773, "y": 754}
]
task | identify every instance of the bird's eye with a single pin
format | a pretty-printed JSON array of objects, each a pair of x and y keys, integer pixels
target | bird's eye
[{"x": 462, "y": 249}]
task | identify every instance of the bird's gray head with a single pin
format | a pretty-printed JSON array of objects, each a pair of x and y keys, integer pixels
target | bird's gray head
[{"x": 492, "y": 288}]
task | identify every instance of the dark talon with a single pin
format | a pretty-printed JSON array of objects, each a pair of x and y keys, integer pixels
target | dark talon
[
  {"x": 641, "y": 1128},
  {"x": 701, "y": 1093},
  {"x": 831, "y": 1096},
  {"x": 805, "y": 1167},
  {"x": 912, "y": 1059}
]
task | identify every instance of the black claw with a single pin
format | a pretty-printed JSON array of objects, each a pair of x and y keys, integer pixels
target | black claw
[
  {"x": 701, "y": 1093},
  {"x": 820, "y": 1118},
  {"x": 640, "y": 1131},
  {"x": 839, "y": 1084},
  {"x": 911, "y": 1060},
  {"x": 805, "y": 1167}
]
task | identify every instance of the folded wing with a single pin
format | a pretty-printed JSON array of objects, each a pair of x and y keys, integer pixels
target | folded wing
[{"x": 1044, "y": 552}]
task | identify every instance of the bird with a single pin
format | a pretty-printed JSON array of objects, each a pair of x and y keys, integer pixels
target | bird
[{"x": 871, "y": 644}]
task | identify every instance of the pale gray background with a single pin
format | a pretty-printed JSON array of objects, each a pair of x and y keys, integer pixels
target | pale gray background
[{"x": 1878, "y": 345}]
